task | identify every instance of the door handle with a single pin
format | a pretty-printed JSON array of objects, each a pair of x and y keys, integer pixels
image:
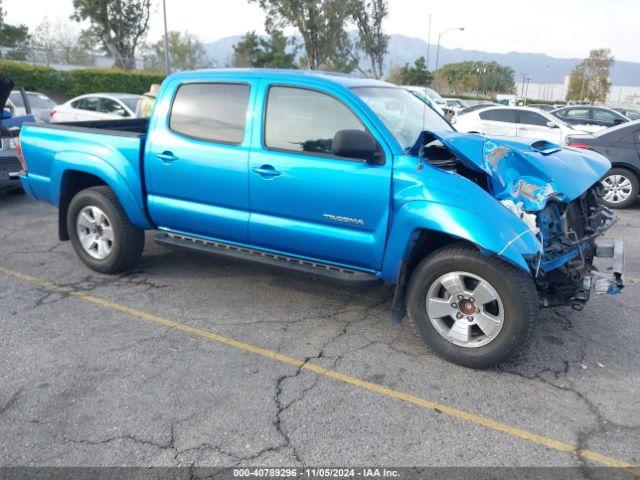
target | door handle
[
  {"x": 166, "y": 157},
  {"x": 266, "y": 171}
]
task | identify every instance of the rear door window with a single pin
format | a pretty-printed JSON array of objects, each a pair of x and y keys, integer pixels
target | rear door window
[
  {"x": 214, "y": 112},
  {"x": 505, "y": 115}
]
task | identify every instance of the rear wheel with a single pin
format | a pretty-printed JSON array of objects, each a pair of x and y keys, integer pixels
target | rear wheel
[
  {"x": 473, "y": 310},
  {"x": 620, "y": 188},
  {"x": 101, "y": 233}
]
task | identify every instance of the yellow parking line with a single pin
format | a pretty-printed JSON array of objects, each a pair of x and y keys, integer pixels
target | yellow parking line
[{"x": 326, "y": 372}]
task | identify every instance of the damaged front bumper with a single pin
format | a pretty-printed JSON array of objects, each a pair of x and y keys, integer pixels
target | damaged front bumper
[
  {"x": 612, "y": 283},
  {"x": 572, "y": 233}
]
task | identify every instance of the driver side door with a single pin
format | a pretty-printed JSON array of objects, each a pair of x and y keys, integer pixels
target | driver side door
[{"x": 306, "y": 201}]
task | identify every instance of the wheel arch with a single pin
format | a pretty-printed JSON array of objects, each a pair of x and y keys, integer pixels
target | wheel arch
[
  {"x": 73, "y": 180},
  {"x": 626, "y": 166},
  {"x": 426, "y": 242},
  {"x": 421, "y": 228}
]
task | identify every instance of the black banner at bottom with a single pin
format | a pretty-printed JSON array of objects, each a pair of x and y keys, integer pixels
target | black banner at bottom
[{"x": 234, "y": 473}]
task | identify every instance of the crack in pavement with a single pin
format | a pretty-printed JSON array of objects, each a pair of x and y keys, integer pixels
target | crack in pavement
[
  {"x": 13, "y": 399},
  {"x": 600, "y": 423},
  {"x": 169, "y": 445},
  {"x": 281, "y": 407}
]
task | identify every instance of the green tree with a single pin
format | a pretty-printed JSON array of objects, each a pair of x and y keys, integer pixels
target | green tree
[
  {"x": 119, "y": 25},
  {"x": 65, "y": 44},
  {"x": 368, "y": 16},
  {"x": 275, "y": 51},
  {"x": 246, "y": 51},
  {"x": 321, "y": 25},
  {"x": 589, "y": 81},
  {"x": 480, "y": 77},
  {"x": 411, "y": 75},
  {"x": 186, "y": 52},
  {"x": 12, "y": 35}
]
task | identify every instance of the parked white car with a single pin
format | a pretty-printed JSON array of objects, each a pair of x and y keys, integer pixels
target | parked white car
[
  {"x": 21, "y": 102},
  {"x": 515, "y": 122},
  {"x": 431, "y": 97},
  {"x": 96, "y": 106},
  {"x": 456, "y": 104}
]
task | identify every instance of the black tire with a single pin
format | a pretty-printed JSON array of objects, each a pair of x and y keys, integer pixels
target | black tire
[
  {"x": 514, "y": 287},
  {"x": 128, "y": 241},
  {"x": 633, "y": 180}
]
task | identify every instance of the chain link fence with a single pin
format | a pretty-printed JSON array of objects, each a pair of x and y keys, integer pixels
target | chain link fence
[{"x": 65, "y": 59}]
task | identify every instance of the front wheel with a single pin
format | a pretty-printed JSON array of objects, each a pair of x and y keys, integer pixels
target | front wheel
[
  {"x": 101, "y": 233},
  {"x": 620, "y": 188},
  {"x": 473, "y": 310}
]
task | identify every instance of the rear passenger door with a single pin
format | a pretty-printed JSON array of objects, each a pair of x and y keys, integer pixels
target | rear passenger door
[
  {"x": 305, "y": 201},
  {"x": 196, "y": 160},
  {"x": 499, "y": 121}
]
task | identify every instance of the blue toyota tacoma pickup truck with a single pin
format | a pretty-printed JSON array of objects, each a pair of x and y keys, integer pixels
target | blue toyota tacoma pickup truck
[{"x": 351, "y": 178}]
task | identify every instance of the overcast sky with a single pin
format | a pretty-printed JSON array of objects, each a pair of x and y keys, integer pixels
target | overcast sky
[{"x": 560, "y": 28}]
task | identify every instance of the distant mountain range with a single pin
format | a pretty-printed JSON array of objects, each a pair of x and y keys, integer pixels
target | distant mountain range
[{"x": 539, "y": 67}]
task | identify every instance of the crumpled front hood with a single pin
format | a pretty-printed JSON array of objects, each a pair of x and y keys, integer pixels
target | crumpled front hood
[{"x": 528, "y": 171}]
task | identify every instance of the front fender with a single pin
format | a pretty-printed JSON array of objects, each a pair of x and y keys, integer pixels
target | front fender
[
  {"x": 499, "y": 232},
  {"x": 130, "y": 200}
]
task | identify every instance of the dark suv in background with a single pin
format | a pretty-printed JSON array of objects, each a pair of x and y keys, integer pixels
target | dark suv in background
[{"x": 621, "y": 145}]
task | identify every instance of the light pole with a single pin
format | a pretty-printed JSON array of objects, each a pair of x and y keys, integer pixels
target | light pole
[
  {"x": 166, "y": 38},
  {"x": 428, "y": 41},
  {"x": 438, "y": 49}
]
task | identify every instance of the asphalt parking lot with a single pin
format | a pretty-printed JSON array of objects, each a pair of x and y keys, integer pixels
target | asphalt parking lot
[{"x": 193, "y": 359}]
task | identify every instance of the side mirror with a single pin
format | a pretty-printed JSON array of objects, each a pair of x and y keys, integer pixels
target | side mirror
[
  {"x": 355, "y": 144},
  {"x": 6, "y": 113},
  {"x": 122, "y": 112},
  {"x": 551, "y": 124},
  {"x": 618, "y": 121}
]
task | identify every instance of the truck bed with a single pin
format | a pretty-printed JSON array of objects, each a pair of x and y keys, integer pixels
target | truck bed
[
  {"x": 134, "y": 127},
  {"x": 111, "y": 151}
]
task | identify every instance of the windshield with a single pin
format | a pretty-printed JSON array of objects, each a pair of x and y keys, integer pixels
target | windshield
[
  {"x": 39, "y": 101},
  {"x": 402, "y": 113},
  {"x": 435, "y": 96}
]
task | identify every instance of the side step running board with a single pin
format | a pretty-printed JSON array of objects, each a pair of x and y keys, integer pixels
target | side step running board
[{"x": 244, "y": 253}]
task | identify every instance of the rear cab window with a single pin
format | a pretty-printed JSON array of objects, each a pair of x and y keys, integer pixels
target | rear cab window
[{"x": 212, "y": 112}]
